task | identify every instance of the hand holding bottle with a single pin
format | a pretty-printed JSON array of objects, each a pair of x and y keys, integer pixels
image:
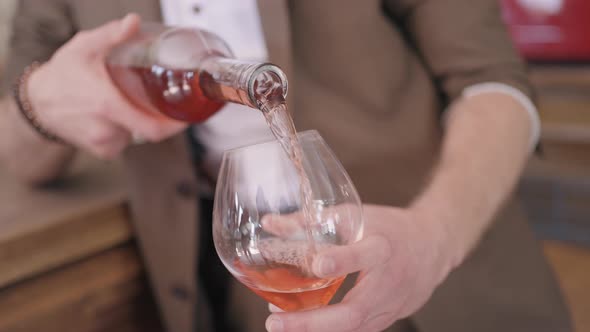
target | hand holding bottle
[{"x": 74, "y": 97}]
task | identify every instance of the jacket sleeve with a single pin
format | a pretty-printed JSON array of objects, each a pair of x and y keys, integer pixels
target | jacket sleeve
[
  {"x": 462, "y": 43},
  {"x": 39, "y": 28}
]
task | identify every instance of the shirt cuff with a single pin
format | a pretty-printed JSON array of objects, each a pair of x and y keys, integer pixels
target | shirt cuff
[{"x": 519, "y": 96}]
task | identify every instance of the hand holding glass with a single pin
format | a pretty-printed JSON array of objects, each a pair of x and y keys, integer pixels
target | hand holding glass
[{"x": 259, "y": 230}]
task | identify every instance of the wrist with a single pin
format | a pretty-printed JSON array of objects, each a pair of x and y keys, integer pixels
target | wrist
[
  {"x": 437, "y": 216},
  {"x": 28, "y": 102},
  {"x": 34, "y": 86}
]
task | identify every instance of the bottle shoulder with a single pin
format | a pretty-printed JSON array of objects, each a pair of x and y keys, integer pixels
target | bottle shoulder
[{"x": 169, "y": 47}]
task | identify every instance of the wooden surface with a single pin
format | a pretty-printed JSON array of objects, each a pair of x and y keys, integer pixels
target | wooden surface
[
  {"x": 560, "y": 76},
  {"x": 556, "y": 186},
  {"x": 67, "y": 259},
  {"x": 104, "y": 293},
  {"x": 564, "y": 107},
  {"x": 564, "y": 101},
  {"x": 572, "y": 265},
  {"x": 41, "y": 229}
]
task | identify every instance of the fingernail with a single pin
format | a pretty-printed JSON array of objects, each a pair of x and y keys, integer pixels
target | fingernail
[
  {"x": 274, "y": 324},
  {"x": 125, "y": 21},
  {"x": 126, "y": 18},
  {"x": 326, "y": 266}
]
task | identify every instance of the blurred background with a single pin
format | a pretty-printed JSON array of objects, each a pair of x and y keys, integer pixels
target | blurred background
[
  {"x": 98, "y": 269},
  {"x": 552, "y": 36}
]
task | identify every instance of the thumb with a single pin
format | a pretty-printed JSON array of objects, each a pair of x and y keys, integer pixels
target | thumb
[
  {"x": 109, "y": 35},
  {"x": 337, "y": 261}
]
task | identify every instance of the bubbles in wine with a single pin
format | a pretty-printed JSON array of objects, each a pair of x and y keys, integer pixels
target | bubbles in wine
[{"x": 287, "y": 252}]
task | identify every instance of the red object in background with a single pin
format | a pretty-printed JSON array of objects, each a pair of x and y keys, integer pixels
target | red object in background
[{"x": 558, "y": 34}]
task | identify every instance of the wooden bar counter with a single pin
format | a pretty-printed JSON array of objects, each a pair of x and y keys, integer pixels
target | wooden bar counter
[
  {"x": 67, "y": 258},
  {"x": 556, "y": 185}
]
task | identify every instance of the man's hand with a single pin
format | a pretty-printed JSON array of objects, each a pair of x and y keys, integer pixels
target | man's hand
[
  {"x": 402, "y": 258},
  {"x": 75, "y": 98},
  {"x": 407, "y": 253}
]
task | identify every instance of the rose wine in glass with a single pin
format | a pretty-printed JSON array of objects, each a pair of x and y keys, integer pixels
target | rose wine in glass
[
  {"x": 263, "y": 231},
  {"x": 287, "y": 287}
]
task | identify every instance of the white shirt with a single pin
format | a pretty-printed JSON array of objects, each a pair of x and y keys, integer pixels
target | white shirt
[{"x": 238, "y": 24}]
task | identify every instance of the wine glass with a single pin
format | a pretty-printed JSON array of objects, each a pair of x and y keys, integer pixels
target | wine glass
[{"x": 260, "y": 231}]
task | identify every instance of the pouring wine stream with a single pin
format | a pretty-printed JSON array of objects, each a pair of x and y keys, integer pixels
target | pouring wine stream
[{"x": 269, "y": 95}]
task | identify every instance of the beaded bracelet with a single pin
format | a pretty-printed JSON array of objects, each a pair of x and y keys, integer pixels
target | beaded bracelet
[{"x": 21, "y": 97}]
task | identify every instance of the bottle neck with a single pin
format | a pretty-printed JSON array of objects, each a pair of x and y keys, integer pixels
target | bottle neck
[{"x": 247, "y": 83}]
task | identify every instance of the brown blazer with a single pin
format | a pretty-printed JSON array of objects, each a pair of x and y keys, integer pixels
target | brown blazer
[{"x": 373, "y": 77}]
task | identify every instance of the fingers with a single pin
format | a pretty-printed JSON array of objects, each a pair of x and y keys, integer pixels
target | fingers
[
  {"x": 150, "y": 127},
  {"x": 105, "y": 37},
  {"x": 339, "y": 317},
  {"x": 106, "y": 141},
  {"x": 108, "y": 119},
  {"x": 115, "y": 107},
  {"x": 343, "y": 217},
  {"x": 284, "y": 226},
  {"x": 116, "y": 146},
  {"x": 363, "y": 255}
]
